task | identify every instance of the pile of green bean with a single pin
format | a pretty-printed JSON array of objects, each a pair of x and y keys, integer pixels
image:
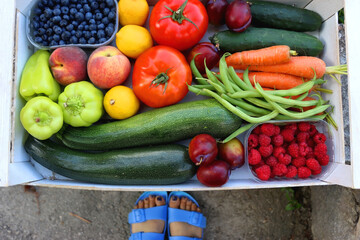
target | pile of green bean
[{"x": 252, "y": 103}]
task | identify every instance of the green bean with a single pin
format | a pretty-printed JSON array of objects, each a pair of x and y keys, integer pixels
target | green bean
[
  {"x": 239, "y": 113},
  {"x": 217, "y": 86},
  {"x": 211, "y": 76},
  {"x": 233, "y": 84},
  {"x": 223, "y": 74},
  {"x": 208, "y": 86},
  {"x": 197, "y": 91},
  {"x": 241, "y": 103},
  {"x": 238, "y": 132},
  {"x": 246, "y": 78},
  {"x": 195, "y": 71},
  {"x": 237, "y": 80}
]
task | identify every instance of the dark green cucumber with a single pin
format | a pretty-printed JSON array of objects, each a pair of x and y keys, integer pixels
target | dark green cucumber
[
  {"x": 163, "y": 164},
  {"x": 256, "y": 38},
  {"x": 163, "y": 125},
  {"x": 283, "y": 16}
]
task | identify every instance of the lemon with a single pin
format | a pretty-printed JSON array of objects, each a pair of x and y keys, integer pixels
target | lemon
[
  {"x": 132, "y": 40},
  {"x": 134, "y": 12},
  {"x": 120, "y": 102}
]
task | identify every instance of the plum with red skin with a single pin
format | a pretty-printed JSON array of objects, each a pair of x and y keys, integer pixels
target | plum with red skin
[
  {"x": 216, "y": 10},
  {"x": 238, "y": 16},
  {"x": 203, "y": 149},
  {"x": 215, "y": 174},
  {"x": 205, "y": 50},
  {"x": 233, "y": 153}
]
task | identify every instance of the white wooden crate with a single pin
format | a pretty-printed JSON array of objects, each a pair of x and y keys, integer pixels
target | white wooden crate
[{"x": 15, "y": 164}]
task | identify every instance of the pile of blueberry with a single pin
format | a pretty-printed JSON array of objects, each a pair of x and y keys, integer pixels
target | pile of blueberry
[{"x": 60, "y": 22}]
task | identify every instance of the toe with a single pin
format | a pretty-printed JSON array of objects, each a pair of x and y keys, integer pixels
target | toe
[
  {"x": 193, "y": 207},
  {"x": 141, "y": 204},
  {"x": 174, "y": 202},
  {"x": 146, "y": 203},
  {"x": 198, "y": 210},
  {"x": 188, "y": 205},
  {"x": 159, "y": 201},
  {"x": 183, "y": 203},
  {"x": 151, "y": 201}
]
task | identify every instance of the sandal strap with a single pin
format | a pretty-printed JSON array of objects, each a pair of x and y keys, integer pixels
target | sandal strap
[
  {"x": 144, "y": 214},
  {"x": 193, "y": 218},
  {"x": 146, "y": 236}
]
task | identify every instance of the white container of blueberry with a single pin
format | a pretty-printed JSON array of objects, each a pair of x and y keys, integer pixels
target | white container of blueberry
[{"x": 81, "y": 23}]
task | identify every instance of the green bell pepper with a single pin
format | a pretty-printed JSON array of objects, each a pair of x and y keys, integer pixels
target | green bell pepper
[
  {"x": 82, "y": 104},
  {"x": 36, "y": 78},
  {"x": 41, "y": 117}
]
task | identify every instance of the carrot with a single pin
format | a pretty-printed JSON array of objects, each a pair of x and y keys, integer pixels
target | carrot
[
  {"x": 278, "y": 81},
  {"x": 302, "y": 66},
  {"x": 264, "y": 56}
]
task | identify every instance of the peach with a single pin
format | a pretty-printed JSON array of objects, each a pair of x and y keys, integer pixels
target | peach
[
  {"x": 68, "y": 65},
  {"x": 108, "y": 67}
]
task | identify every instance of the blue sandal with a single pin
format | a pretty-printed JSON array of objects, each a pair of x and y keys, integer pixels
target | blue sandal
[
  {"x": 144, "y": 214},
  {"x": 178, "y": 215}
]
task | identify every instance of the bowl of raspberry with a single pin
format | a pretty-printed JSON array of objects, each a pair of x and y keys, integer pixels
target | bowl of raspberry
[{"x": 283, "y": 150}]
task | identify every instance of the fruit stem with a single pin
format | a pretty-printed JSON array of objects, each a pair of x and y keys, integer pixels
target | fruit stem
[
  {"x": 161, "y": 78},
  {"x": 178, "y": 15}
]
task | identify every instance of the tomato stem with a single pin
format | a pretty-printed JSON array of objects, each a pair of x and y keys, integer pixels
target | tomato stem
[
  {"x": 178, "y": 15},
  {"x": 161, "y": 78}
]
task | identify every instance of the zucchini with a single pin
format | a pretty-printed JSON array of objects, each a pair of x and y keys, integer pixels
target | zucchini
[
  {"x": 283, "y": 16},
  {"x": 256, "y": 38},
  {"x": 166, "y": 164},
  {"x": 163, "y": 125}
]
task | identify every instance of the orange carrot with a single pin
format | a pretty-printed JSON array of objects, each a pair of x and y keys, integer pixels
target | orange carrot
[
  {"x": 278, "y": 81},
  {"x": 264, "y": 56},
  {"x": 302, "y": 66}
]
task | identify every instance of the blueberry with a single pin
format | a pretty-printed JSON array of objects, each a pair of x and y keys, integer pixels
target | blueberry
[
  {"x": 73, "y": 1},
  {"x": 97, "y": 11},
  {"x": 106, "y": 11},
  {"x": 94, "y": 5},
  {"x": 87, "y": 34},
  {"x": 110, "y": 3},
  {"x": 57, "y": 6},
  {"x": 101, "y": 26},
  {"x": 80, "y": 27},
  {"x": 44, "y": 37},
  {"x": 56, "y": 37},
  {"x": 35, "y": 24},
  {"x": 49, "y": 31},
  {"x": 63, "y": 23},
  {"x": 45, "y": 43},
  {"x": 51, "y": 3},
  {"x": 46, "y": 26},
  {"x": 109, "y": 31},
  {"x": 92, "y": 21},
  {"x": 105, "y": 21},
  {"x": 86, "y": 8},
  {"x": 57, "y": 29},
  {"x": 56, "y": 19},
  {"x": 93, "y": 33},
  {"x": 41, "y": 24},
  {"x": 37, "y": 11},
  {"x": 51, "y": 24},
  {"x": 91, "y": 40},
  {"x": 82, "y": 41},
  {"x": 79, "y": 16},
  {"x": 88, "y": 15},
  {"x": 45, "y": 2},
  {"x": 48, "y": 12},
  {"x": 111, "y": 15},
  {"x": 78, "y": 34},
  {"x": 41, "y": 31},
  {"x": 64, "y": 2},
  {"x": 66, "y": 35},
  {"x": 43, "y": 17},
  {"x": 73, "y": 11},
  {"x": 50, "y": 38},
  {"x": 102, "y": 40},
  {"x": 83, "y": 1},
  {"x": 56, "y": 1},
  {"x": 73, "y": 32},
  {"x": 40, "y": 6},
  {"x": 91, "y": 1},
  {"x": 64, "y": 10},
  {"x": 111, "y": 25},
  {"x": 36, "y": 18},
  {"x": 75, "y": 23},
  {"x": 61, "y": 42},
  {"x": 36, "y": 33},
  {"x": 98, "y": 16},
  {"x": 102, "y": 5},
  {"x": 92, "y": 27},
  {"x": 66, "y": 17},
  {"x": 74, "y": 40},
  {"x": 86, "y": 27},
  {"x": 38, "y": 39},
  {"x": 53, "y": 43},
  {"x": 101, "y": 34},
  {"x": 57, "y": 12}
]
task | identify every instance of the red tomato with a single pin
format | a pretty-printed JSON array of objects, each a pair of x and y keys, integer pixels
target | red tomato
[
  {"x": 178, "y": 23},
  {"x": 160, "y": 76}
]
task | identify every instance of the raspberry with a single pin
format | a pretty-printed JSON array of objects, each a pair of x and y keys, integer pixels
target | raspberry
[
  {"x": 319, "y": 138},
  {"x": 313, "y": 164},
  {"x": 261, "y": 163},
  {"x": 303, "y": 149},
  {"x": 323, "y": 160},
  {"x": 277, "y": 130},
  {"x": 257, "y": 130},
  {"x": 253, "y": 141},
  {"x": 304, "y": 126},
  {"x": 310, "y": 142},
  {"x": 264, "y": 140},
  {"x": 288, "y": 134},
  {"x": 277, "y": 140},
  {"x": 268, "y": 129},
  {"x": 313, "y": 130},
  {"x": 316, "y": 172},
  {"x": 284, "y": 159},
  {"x": 263, "y": 172},
  {"x": 254, "y": 157},
  {"x": 302, "y": 137},
  {"x": 278, "y": 150},
  {"x": 293, "y": 149},
  {"x": 280, "y": 170},
  {"x": 292, "y": 172},
  {"x": 298, "y": 162},
  {"x": 310, "y": 153},
  {"x": 266, "y": 151},
  {"x": 271, "y": 161},
  {"x": 320, "y": 149},
  {"x": 304, "y": 172},
  {"x": 292, "y": 126}
]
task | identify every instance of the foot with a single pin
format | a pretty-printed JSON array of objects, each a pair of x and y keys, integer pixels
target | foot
[
  {"x": 155, "y": 226},
  {"x": 181, "y": 228}
]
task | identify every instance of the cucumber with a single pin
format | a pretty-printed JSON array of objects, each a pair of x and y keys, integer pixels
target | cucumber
[
  {"x": 156, "y": 165},
  {"x": 256, "y": 38},
  {"x": 283, "y": 16},
  {"x": 163, "y": 125}
]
